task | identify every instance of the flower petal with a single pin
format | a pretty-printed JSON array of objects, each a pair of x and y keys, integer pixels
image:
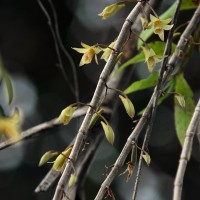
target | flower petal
[
  {"x": 86, "y": 46},
  {"x": 80, "y": 50},
  {"x": 166, "y": 21},
  {"x": 167, "y": 27},
  {"x": 153, "y": 18}
]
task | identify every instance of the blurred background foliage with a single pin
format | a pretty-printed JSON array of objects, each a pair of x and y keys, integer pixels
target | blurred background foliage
[{"x": 40, "y": 91}]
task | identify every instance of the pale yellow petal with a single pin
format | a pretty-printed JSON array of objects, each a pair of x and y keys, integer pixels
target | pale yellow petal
[
  {"x": 86, "y": 46},
  {"x": 80, "y": 50},
  {"x": 166, "y": 21},
  {"x": 167, "y": 27},
  {"x": 87, "y": 57},
  {"x": 161, "y": 35},
  {"x": 153, "y": 18}
]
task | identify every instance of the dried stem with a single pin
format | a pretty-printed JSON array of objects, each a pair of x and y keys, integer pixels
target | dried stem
[
  {"x": 135, "y": 189},
  {"x": 71, "y": 61},
  {"x": 176, "y": 57},
  {"x": 158, "y": 90},
  {"x": 56, "y": 43},
  {"x": 185, "y": 154},
  {"x": 82, "y": 133}
]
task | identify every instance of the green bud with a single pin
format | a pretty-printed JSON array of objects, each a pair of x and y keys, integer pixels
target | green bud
[
  {"x": 72, "y": 180},
  {"x": 66, "y": 115},
  {"x": 109, "y": 133},
  {"x": 47, "y": 156},
  {"x": 95, "y": 117},
  {"x": 111, "y": 10},
  {"x": 61, "y": 159},
  {"x": 128, "y": 106},
  {"x": 147, "y": 158}
]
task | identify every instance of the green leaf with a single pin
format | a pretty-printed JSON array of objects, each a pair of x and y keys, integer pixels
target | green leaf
[
  {"x": 109, "y": 133},
  {"x": 60, "y": 161},
  {"x": 138, "y": 58},
  {"x": 146, "y": 34},
  {"x": 183, "y": 116},
  {"x": 169, "y": 88},
  {"x": 128, "y": 106},
  {"x": 47, "y": 156},
  {"x": 158, "y": 48},
  {"x": 187, "y": 5},
  {"x": 181, "y": 100},
  {"x": 146, "y": 158},
  {"x": 143, "y": 84}
]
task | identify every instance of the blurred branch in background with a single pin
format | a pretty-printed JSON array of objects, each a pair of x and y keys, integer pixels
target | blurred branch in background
[{"x": 37, "y": 130}]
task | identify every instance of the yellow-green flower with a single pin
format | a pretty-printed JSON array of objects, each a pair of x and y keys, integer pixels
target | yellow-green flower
[
  {"x": 111, "y": 10},
  {"x": 10, "y": 126},
  {"x": 88, "y": 53},
  {"x": 107, "y": 51},
  {"x": 160, "y": 25},
  {"x": 145, "y": 23},
  {"x": 150, "y": 58}
]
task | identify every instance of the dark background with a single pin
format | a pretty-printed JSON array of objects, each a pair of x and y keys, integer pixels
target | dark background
[{"x": 28, "y": 53}]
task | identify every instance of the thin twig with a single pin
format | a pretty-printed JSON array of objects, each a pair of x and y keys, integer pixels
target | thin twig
[
  {"x": 135, "y": 189},
  {"x": 56, "y": 47},
  {"x": 181, "y": 48},
  {"x": 185, "y": 153},
  {"x": 71, "y": 61},
  {"x": 39, "y": 128},
  {"x": 82, "y": 133},
  {"x": 158, "y": 90}
]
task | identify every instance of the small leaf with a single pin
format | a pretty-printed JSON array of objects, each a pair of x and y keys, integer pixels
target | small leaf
[
  {"x": 188, "y": 4},
  {"x": 72, "y": 180},
  {"x": 180, "y": 99},
  {"x": 128, "y": 106},
  {"x": 94, "y": 119},
  {"x": 66, "y": 115},
  {"x": 183, "y": 116},
  {"x": 61, "y": 159},
  {"x": 109, "y": 133},
  {"x": 47, "y": 156},
  {"x": 149, "y": 82},
  {"x": 147, "y": 158}
]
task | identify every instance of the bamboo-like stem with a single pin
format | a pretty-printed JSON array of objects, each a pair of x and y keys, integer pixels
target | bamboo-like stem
[
  {"x": 176, "y": 57},
  {"x": 37, "y": 130},
  {"x": 185, "y": 153},
  {"x": 82, "y": 133}
]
